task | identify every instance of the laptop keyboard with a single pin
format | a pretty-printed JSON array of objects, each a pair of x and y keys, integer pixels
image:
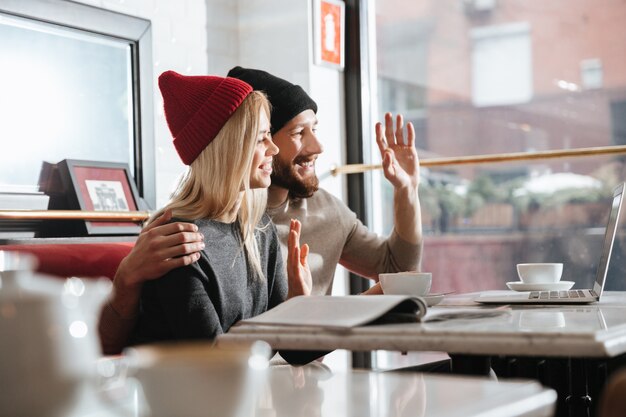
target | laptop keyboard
[{"x": 556, "y": 295}]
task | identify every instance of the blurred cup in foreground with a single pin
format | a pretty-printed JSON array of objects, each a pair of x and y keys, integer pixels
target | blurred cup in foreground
[
  {"x": 540, "y": 273},
  {"x": 406, "y": 283},
  {"x": 48, "y": 335},
  {"x": 197, "y": 379}
]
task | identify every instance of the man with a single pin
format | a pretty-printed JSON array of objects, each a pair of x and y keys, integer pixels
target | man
[{"x": 329, "y": 227}]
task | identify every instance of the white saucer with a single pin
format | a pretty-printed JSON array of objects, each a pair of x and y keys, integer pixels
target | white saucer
[
  {"x": 433, "y": 299},
  {"x": 553, "y": 286}
]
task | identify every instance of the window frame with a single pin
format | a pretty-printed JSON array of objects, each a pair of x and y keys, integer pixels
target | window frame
[{"x": 137, "y": 32}]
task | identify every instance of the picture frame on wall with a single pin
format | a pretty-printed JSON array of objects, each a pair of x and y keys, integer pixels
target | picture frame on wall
[
  {"x": 329, "y": 33},
  {"x": 99, "y": 186}
]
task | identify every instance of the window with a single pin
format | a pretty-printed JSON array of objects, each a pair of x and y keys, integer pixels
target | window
[
  {"x": 483, "y": 78},
  {"x": 501, "y": 65},
  {"x": 70, "y": 83},
  {"x": 591, "y": 73}
]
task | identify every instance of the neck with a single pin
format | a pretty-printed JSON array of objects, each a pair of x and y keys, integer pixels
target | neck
[
  {"x": 231, "y": 215},
  {"x": 276, "y": 196}
]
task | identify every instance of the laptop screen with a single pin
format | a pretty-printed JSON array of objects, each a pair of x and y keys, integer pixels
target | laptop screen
[{"x": 609, "y": 238}]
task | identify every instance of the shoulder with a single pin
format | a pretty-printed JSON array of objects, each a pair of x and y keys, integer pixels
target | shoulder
[
  {"x": 266, "y": 229},
  {"x": 267, "y": 242},
  {"x": 323, "y": 201},
  {"x": 323, "y": 198}
]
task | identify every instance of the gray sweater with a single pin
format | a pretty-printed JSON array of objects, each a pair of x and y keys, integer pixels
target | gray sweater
[{"x": 203, "y": 300}]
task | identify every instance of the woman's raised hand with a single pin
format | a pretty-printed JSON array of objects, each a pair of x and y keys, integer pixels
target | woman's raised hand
[{"x": 298, "y": 272}]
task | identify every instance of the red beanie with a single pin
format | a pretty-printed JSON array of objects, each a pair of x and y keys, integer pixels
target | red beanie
[{"x": 197, "y": 107}]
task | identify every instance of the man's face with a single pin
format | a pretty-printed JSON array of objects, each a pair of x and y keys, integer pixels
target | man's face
[{"x": 294, "y": 166}]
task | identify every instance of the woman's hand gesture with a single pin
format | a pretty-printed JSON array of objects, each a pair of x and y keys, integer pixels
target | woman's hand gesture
[{"x": 298, "y": 272}]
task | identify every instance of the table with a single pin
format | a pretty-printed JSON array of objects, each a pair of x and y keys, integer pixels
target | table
[
  {"x": 313, "y": 390},
  {"x": 595, "y": 330},
  {"x": 531, "y": 334}
]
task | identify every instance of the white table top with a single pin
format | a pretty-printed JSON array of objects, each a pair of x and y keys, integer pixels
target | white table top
[
  {"x": 314, "y": 391},
  {"x": 594, "y": 330},
  {"x": 298, "y": 392}
]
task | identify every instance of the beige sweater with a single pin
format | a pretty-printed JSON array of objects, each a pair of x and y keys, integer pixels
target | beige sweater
[{"x": 335, "y": 235}]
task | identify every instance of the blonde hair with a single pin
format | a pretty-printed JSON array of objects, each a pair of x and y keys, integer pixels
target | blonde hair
[{"x": 213, "y": 182}]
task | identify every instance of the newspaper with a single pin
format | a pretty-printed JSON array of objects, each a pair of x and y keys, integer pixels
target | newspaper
[{"x": 343, "y": 312}]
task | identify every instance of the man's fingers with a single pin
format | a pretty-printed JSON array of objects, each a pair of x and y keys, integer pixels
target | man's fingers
[
  {"x": 388, "y": 161},
  {"x": 411, "y": 135},
  {"x": 389, "y": 129},
  {"x": 180, "y": 261},
  {"x": 399, "y": 130},
  {"x": 181, "y": 238},
  {"x": 161, "y": 247},
  {"x": 374, "y": 290},
  {"x": 380, "y": 138},
  {"x": 182, "y": 249},
  {"x": 172, "y": 229},
  {"x": 159, "y": 221}
]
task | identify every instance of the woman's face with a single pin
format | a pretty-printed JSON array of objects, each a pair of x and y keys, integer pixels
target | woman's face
[{"x": 262, "y": 159}]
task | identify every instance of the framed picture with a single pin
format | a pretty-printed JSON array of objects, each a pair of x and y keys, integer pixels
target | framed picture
[
  {"x": 328, "y": 32},
  {"x": 100, "y": 186}
]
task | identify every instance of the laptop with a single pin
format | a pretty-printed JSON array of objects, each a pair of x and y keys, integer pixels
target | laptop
[{"x": 573, "y": 296}]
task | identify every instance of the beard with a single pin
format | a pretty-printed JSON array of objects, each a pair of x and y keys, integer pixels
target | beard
[{"x": 285, "y": 175}]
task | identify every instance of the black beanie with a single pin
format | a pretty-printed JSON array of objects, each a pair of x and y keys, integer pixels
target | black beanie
[{"x": 288, "y": 100}]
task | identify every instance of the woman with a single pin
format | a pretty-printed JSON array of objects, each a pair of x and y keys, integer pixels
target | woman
[{"x": 221, "y": 130}]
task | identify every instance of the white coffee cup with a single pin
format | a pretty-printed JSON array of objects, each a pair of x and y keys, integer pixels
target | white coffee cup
[
  {"x": 540, "y": 273},
  {"x": 406, "y": 283},
  {"x": 196, "y": 379}
]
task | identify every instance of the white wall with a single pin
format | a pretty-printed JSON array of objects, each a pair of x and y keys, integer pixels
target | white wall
[
  {"x": 222, "y": 36},
  {"x": 179, "y": 36}
]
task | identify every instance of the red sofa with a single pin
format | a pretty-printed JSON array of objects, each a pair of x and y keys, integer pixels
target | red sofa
[{"x": 76, "y": 259}]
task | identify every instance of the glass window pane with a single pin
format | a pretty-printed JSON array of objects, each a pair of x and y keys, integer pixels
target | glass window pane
[
  {"x": 65, "y": 94},
  {"x": 486, "y": 77}
]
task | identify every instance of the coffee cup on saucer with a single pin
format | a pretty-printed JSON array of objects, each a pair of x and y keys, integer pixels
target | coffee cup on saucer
[
  {"x": 540, "y": 277},
  {"x": 406, "y": 283},
  {"x": 540, "y": 273}
]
